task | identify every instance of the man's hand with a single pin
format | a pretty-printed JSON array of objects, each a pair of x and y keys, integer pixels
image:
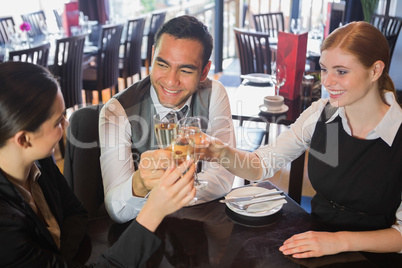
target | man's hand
[{"x": 151, "y": 168}]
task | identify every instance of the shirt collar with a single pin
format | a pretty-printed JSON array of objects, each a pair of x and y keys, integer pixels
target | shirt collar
[
  {"x": 162, "y": 109},
  {"x": 388, "y": 126}
]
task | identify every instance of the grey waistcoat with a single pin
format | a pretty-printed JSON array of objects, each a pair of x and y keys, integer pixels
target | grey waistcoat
[{"x": 137, "y": 102}]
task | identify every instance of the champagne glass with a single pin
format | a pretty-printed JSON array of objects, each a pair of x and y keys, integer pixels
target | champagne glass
[
  {"x": 278, "y": 75},
  {"x": 165, "y": 129},
  {"x": 168, "y": 138},
  {"x": 295, "y": 26},
  {"x": 192, "y": 126}
]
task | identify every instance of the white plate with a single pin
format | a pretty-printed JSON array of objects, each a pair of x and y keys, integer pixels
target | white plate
[
  {"x": 257, "y": 210},
  {"x": 283, "y": 109},
  {"x": 259, "y": 78}
]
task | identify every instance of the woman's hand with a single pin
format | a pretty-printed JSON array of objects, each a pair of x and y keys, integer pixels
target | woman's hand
[
  {"x": 312, "y": 244},
  {"x": 209, "y": 148},
  {"x": 174, "y": 190}
]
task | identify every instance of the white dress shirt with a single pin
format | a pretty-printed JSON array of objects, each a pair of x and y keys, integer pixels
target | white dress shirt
[
  {"x": 292, "y": 143},
  {"x": 117, "y": 162}
]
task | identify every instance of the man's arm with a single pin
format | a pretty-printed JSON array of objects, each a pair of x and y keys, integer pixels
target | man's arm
[{"x": 117, "y": 163}]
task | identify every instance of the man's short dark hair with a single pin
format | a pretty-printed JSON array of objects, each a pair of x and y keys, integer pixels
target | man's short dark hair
[{"x": 188, "y": 27}]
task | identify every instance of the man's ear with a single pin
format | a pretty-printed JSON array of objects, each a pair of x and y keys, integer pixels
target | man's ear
[
  {"x": 205, "y": 71},
  {"x": 21, "y": 138}
]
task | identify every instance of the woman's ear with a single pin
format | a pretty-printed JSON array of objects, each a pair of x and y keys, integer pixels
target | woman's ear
[
  {"x": 377, "y": 69},
  {"x": 21, "y": 138}
]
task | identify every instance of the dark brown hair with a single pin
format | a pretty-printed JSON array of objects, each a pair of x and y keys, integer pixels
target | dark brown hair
[{"x": 27, "y": 94}]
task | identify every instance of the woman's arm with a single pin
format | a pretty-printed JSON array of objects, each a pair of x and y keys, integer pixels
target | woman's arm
[
  {"x": 316, "y": 244},
  {"x": 174, "y": 191}
]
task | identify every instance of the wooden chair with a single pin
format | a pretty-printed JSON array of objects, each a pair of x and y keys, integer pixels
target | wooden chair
[
  {"x": 249, "y": 136},
  {"x": 270, "y": 23},
  {"x": 104, "y": 72},
  {"x": 37, "y": 20},
  {"x": 157, "y": 19},
  {"x": 81, "y": 163},
  {"x": 59, "y": 19},
  {"x": 7, "y": 29},
  {"x": 67, "y": 67},
  {"x": 390, "y": 27},
  {"x": 130, "y": 63},
  {"x": 253, "y": 51},
  {"x": 36, "y": 55}
]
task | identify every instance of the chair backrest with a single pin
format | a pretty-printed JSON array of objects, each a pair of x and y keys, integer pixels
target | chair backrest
[
  {"x": 37, "y": 20},
  {"x": 108, "y": 57},
  {"x": 157, "y": 19},
  {"x": 132, "y": 61},
  {"x": 253, "y": 51},
  {"x": 269, "y": 23},
  {"x": 7, "y": 29},
  {"x": 59, "y": 19},
  {"x": 81, "y": 161},
  {"x": 38, "y": 55},
  {"x": 68, "y": 67},
  {"x": 390, "y": 27},
  {"x": 249, "y": 136}
]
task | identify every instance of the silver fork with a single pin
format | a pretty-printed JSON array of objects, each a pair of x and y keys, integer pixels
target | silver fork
[{"x": 245, "y": 206}]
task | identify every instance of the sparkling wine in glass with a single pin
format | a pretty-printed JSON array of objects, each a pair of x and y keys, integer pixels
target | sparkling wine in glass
[
  {"x": 168, "y": 138},
  {"x": 278, "y": 76},
  {"x": 165, "y": 129},
  {"x": 192, "y": 126}
]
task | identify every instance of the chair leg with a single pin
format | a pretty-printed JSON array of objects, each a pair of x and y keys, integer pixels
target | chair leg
[
  {"x": 62, "y": 147},
  {"x": 100, "y": 96},
  {"x": 147, "y": 66},
  {"x": 88, "y": 96}
]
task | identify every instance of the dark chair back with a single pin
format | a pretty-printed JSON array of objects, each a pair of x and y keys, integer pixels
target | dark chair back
[
  {"x": 68, "y": 68},
  {"x": 7, "y": 29},
  {"x": 157, "y": 19},
  {"x": 390, "y": 27},
  {"x": 253, "y": 51},
  {"x": 131, "y": 62},
  {"x": 106, "y": 71},
  {"x": 269, "y": 23},
  {"x": 81, "y": 163},
  {"x": 37, "y": 20},
  {"x": 59, "y": 19},
  {"x": 38, "y": 55}
]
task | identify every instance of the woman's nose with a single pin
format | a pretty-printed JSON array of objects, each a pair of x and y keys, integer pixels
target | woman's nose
[{"x": 327, "y": 79}]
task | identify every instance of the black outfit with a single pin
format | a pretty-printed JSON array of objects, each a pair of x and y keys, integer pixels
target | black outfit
[
  {"x": 359, "y": 185},
  {"x": 26, "y": 242}
]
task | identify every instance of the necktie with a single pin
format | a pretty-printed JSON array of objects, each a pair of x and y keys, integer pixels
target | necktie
[
  {"x": 179, "y": 114},
  {"x": 182, "y": 113}
]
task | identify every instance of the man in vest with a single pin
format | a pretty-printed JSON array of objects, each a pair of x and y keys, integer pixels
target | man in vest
[{"x": 178, "y": 82}]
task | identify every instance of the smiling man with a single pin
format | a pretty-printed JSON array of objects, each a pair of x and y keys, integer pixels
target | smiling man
[{"x": 178, "y": 81}]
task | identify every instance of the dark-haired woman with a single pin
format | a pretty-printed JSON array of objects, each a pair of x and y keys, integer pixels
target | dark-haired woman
[{"x": 41, "y": 221}]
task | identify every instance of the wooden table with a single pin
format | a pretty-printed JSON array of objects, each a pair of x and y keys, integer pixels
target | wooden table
[{"x": 211, "y": 235}]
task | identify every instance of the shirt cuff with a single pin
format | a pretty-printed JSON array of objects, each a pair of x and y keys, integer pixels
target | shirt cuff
[{"x": 399, "y": 229}]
